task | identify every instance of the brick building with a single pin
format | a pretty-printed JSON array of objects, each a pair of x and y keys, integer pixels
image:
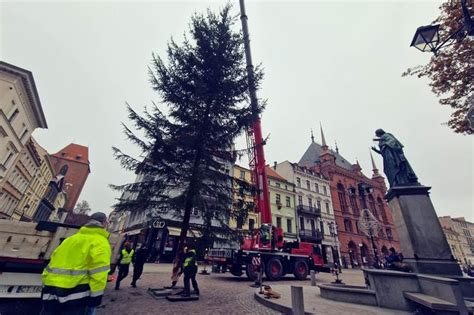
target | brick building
[
  {"x": 75, "y": 158},
  {"x": 352, "y": 191}
]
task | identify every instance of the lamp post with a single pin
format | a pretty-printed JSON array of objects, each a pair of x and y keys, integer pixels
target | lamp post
[
  {"x": 427, "y": 38},
  {"x": 337, "y": 265}
]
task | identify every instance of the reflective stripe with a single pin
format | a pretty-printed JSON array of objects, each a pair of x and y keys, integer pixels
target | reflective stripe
[
  {"x": 70, "y": 272},
  {"x": 97, "y": 270},
  {"x": 63, "y": 299},
  {"x": 97, "y": 293}
]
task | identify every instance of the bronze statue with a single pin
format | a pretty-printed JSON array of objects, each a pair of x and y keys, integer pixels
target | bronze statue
[{"x": 395, "y": 164}]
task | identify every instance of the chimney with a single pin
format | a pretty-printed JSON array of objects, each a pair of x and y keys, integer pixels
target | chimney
[{"x": 275, "y": 165}]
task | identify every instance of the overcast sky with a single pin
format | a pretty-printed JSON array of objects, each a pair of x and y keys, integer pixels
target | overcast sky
[{"x": 338, "y": 63}]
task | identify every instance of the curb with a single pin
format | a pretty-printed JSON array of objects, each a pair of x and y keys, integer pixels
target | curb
[{"x": 275, "y": 306}]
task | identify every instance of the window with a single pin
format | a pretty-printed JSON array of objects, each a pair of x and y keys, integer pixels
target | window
[
  {"x": 300, "y": 200},
  {"x": 288, "y": 226},
  {"x": 357, "y": 227},
  {"x": 341, "y": 193},
  {"x": 347, "y": 225},
  {"x": 251, "y": 224},
  {"x": 372, "y": 206},
  {"x": 277, "y": 198},
  {"x": 310, "y": 202},
  {"x": 13, "y": 115},
  {"x": 308, "y": 185},
  {"x": 278, "y": 222},
  {"x": 9, "y": 156},
  {"x": 325, "y": 190},
  {"x": 316, "y": 187},
  {"x": 288, "y": 201},
  {"x": 242, "y": 174},
  {"x": 277, "y": 184},
  {"x": 298, "y": 181},
  {"x": 302, "y": 223},
  {"x": 321, "y": 224},
  {"x": 389, "y": 234},
  {"x": 313, "y": 226},
  {"x": 353, "y": 202},
  {"x": 23, "y": 134},
  {"x": 318, "y": 204},
  {"x": 328, "y": 211}
]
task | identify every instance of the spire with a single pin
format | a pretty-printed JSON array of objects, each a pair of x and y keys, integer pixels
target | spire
[
  {"x": 374, "y": 167},
  {"x": 323, "y": 139},
  {"x": 312, "y": 136},
  {"x": 337, "y": 149}
]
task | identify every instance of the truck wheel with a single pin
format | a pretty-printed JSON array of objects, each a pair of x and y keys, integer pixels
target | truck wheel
[
  {"x": 252, "y": 272},
  {"x": 274, "y": 269},
  {"x": 301, "y": 270},
  {"x": 236, "y": 271}
]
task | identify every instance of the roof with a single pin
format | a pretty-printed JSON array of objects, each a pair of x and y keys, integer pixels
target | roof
[
  {"x": 30, "y": 87},
  {"x": 273, "y": 174},
  {"x": 74, "y": 152},
  {"x": 311, "y": 157}
]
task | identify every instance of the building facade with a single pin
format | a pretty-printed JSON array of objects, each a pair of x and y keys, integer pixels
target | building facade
[
  {"x": 351, "y": 191},
  {"x": 76, "y": 160},
  {"x": 314, "y": 212},
  {"x": 51, "y": 206},
  {"x": 242, "y": 197},
  {"x": 465, "y": 233},
  {"x": 37, "y": 185},
  {"x": 20, "y": 114},
  {"x": 282, "y": 204}
]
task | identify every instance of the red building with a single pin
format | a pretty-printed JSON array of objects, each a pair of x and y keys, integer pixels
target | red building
[
  {"x": 73, "y": 161},
  {"x": 352, "y": 191}
]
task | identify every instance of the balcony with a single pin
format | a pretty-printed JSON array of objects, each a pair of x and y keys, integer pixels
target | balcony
[
  {"x": 311, "y": 236},
  {"x": 309, "y": 210}
]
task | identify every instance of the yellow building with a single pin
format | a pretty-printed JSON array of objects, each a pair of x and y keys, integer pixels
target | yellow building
[
  {"x": 455, "y": 244},
  {"x": 241, "y": 198},
  {"x": 36, "y": 187},
  {"x": 282, "y": 204}
]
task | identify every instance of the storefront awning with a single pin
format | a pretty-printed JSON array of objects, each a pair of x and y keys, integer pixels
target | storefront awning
[
  {"x": 176, "y": 232},
  {"x": 133, "y": 232}
]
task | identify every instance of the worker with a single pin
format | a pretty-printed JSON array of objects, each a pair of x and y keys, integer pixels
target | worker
[
  {"x": 76, "y": 276},
  {"x": 190, "y": 271},
  {"x": 139, "y": 260},
  {"x": 124, "y": 261}
]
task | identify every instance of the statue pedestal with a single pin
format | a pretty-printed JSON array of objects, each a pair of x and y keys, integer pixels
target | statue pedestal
[{"x": 422, "y": 240}]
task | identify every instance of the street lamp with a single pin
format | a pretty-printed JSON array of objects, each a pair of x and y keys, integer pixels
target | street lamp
[
  {"x": 337, "y": 267},
  {"x": 369, "y": 225},
  {"x": 427, "y": 37}
]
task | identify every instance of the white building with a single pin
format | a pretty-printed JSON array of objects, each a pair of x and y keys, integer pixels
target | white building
[
  {"x": 20, "y": 115},
  {"x": 315, "y": 214}
]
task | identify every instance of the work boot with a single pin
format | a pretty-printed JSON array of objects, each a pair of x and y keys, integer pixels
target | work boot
[{"x": 133, "y": 285}]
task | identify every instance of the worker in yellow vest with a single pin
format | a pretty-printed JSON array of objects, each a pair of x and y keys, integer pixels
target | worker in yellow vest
[
  {"x": 124, "y": 261},
  {"x": 76, "y": 276},
  {"x": 190, "y": 271}
]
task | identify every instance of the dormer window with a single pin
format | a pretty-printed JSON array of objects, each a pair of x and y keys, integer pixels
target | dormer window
[
  {"x": 78, "y": 157},
  {"x": 63, "y": 153}
]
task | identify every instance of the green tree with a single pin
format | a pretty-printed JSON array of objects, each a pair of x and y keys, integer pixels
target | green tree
[
  {"x": 451, "y": 72},
  {"x": 186, "y": 140}
]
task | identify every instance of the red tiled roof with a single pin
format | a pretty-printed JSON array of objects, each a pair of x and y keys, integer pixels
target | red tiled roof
[
  {"x": 74, "y": 152},
  {"x": 271, "y": 173}
]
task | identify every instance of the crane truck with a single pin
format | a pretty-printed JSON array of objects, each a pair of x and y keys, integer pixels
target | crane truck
[{"x": 275, "y": 256}]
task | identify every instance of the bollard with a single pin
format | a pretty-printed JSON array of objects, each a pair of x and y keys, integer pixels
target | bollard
[
  {"x": 297, "y": 303},
  {"x": 313, "y": 278}
]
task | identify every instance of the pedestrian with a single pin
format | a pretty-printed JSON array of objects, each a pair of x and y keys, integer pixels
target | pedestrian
[
  {"x": 139, "y": 260},
  {"x": 124, "y": 261},
  {"x": 190, "y": 271},
  {"x": 393, "y": 259},
  {"x": 76, "y": 276}
]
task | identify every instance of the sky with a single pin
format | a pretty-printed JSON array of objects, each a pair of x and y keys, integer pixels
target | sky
[{"x": 334, "y": 63}]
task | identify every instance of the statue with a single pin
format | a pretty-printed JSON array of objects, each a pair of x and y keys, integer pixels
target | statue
[{"x": 395, "y": 164}]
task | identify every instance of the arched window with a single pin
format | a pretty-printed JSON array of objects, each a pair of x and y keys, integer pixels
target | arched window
[
  {"x": 353, "y": 201},
  {"x": 342, "y": 197},
  {"x": 372, "y": 206},
  {"x": 382, "y": 210},
  {"x": 347, "y": 225}
]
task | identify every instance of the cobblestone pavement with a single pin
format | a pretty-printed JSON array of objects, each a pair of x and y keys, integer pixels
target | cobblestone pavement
[{"x": 220, "y": 294}]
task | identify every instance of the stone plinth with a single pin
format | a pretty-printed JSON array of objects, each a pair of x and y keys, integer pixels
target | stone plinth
[{"x": 422, "y": 240}]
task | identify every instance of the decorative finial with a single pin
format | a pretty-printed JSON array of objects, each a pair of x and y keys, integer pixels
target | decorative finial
[
  {"x": 374, "y": 167},
  {"x": 312, "y": 136},
  {"x": 337, "y": 149},
  {"x": 323, "y": 139}
]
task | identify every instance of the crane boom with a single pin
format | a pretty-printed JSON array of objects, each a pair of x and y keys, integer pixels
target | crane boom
[{"x": 256, "y": 143}]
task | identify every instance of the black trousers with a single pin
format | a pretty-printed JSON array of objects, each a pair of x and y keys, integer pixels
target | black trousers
[
  {"x": 137, "y": 272},
  {"x": 190, "y": 274},
  {"x": 123, "y": 273}
]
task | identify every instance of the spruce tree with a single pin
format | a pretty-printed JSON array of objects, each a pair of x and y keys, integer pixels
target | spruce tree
[{"x": 186, "y": 138}]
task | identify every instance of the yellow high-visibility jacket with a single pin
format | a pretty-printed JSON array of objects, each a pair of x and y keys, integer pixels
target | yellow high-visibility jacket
[{"x": 77, "y": 272}]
